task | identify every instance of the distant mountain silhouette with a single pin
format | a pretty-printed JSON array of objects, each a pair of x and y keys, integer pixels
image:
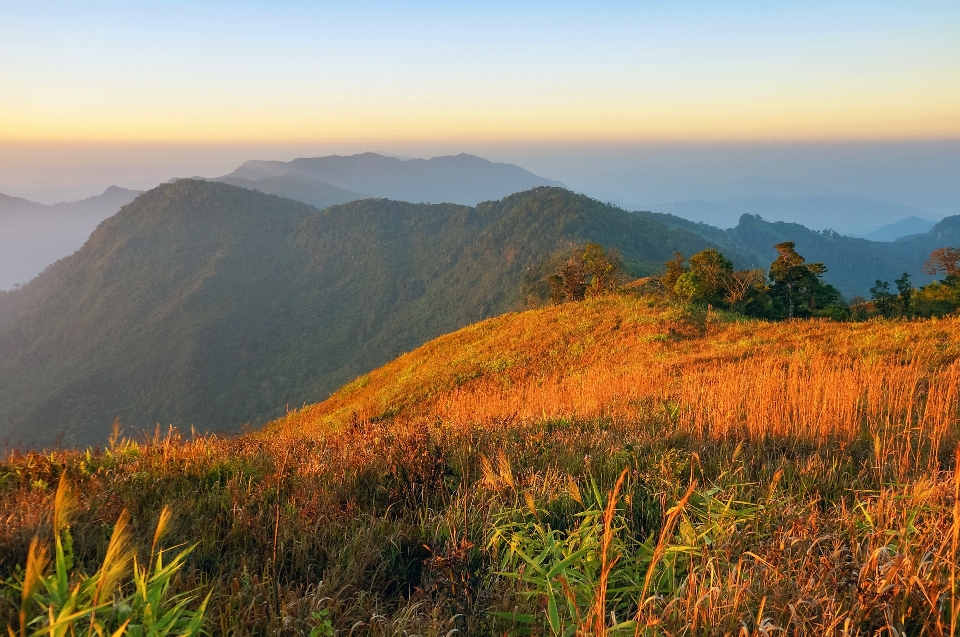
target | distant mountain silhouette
[
  {"x": 207, "y": 304},
  {"x": 903, "y": 228},
  {"x": 35, "y": 235},
  {"x": 464, "y": 179},
  {"x": 847, "y": 215}
]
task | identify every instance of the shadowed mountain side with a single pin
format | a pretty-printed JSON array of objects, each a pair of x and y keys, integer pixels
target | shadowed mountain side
[
  {"x": 853, "y": 265},
  {"x": 299, "y": 188},
  {"x": 207, "y": 304},
  {"x": 464, "y": 179},
  {"x": 33, "y": 235}
]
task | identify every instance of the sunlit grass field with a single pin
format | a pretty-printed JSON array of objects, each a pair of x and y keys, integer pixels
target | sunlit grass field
[{"x": 608, "y": 467}]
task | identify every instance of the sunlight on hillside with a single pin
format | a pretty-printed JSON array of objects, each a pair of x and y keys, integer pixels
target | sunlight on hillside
[
  {"x": 610, "y": 467},
  {"x": 613, "y": 358}
]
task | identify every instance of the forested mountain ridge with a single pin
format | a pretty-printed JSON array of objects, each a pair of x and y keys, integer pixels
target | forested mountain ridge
[{"x": 206, "y": 304}]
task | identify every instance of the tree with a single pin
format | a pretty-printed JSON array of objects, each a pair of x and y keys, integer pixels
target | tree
[
  {"x": 905, "y": 288},
  {"x": 589, "y": 269},
  {"x": 574, "y": 277},
  {"x": 880, "y": 293},
  {"x": 738, "y": 285},
  {"x": 675, "y": 269},
  {"x": 797, "y": 285},
  {"x": 859, "y": 307},
  {"x": 703, "y": 282},
  {"x": 688, "y": 287},
  {"x": 710, "y": 268},
  {"x": 946, "y": 260},
  {"x": 557, "y": 294},
  {"x": 602, "y": 268}
]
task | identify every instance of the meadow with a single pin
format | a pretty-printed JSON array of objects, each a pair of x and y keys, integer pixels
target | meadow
[{"x": 617, "y": 466}]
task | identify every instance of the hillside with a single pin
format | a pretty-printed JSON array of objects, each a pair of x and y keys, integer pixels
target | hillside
[
  {"x": 608, "y": 357},
  {"x": 35, "y": 235},
  {"x": 853, "y": 264},
  {"x": 596, "y": 467},
  {"x": 210, "y": 305},
  {"x": 463, "y": 179}
]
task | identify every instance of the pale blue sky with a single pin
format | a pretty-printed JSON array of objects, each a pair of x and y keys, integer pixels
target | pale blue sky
[
  {"x": 592, "y": 93},
  {"x": 478, "y": 70}
]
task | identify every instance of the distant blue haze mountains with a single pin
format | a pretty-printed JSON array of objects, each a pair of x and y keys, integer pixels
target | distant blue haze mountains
[
  {"x": 901, "y": 229},
  {"x": 34, "y": 235},
  {"x": 462, "y": 179},
  {"x": 851, "y": 216}
]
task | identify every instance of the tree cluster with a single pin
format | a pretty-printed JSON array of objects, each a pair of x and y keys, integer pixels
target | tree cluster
[
  {"x": 936, "y": 299},
  {"x": 793, "y": 287}
]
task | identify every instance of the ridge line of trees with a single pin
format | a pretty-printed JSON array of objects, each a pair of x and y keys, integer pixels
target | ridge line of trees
[{"x": 791, "y": 288}]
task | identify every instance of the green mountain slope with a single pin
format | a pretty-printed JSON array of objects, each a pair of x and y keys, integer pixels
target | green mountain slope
[{"x": 207, "y": 304}]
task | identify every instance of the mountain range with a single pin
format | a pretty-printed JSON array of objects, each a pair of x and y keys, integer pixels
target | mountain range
[
  {"x": 206, "y": 304},
  {"x": 35, "y": 235},
  {"x": 852, "y": 216},
  {"x": 899, "y": 229},
  {"x": 463, "y": 179}
]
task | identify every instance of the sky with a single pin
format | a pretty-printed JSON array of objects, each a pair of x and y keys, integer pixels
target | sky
[{"x": 94, "y": 93}]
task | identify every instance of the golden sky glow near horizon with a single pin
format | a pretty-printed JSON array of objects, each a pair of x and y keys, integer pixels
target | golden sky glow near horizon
[{"x": 428, "y": 71}]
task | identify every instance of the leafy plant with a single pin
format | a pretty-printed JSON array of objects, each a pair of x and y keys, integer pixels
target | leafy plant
[
  {"x": 323, "y": 627},
  {"x": 67, "y": 601}
]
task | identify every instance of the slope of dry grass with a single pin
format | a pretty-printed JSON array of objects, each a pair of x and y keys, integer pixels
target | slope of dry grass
[
  {"x": 794, "y": 478},
  {"x": 809, "y": 381}
]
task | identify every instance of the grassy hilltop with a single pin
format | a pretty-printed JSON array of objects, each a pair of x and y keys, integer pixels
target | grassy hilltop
[{"x": 614, "y": 466}]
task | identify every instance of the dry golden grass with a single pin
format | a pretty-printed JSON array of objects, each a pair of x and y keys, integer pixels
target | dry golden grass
[
  {"x": 790, "y": 478},
  {"x": 808, "y": 381}
]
